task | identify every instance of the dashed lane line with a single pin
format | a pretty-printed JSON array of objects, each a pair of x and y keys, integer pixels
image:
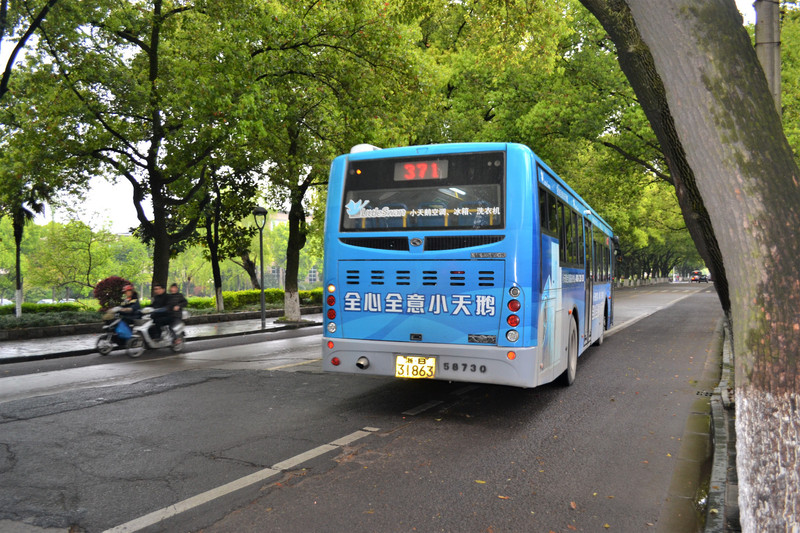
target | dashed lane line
[{"x": 195, "y": 501}]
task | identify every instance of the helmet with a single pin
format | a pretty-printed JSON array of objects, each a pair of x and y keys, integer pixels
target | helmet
[{"x": 127, "y": 288}]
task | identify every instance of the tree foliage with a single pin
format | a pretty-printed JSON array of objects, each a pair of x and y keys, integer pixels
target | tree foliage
[{"x": 70, "y": 254}]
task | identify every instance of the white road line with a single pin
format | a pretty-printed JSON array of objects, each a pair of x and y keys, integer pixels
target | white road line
[
  {"x": 303, "y": 457},
  {"x": 256, "y": 477}
]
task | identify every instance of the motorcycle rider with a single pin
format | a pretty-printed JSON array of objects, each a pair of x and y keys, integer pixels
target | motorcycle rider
[
  {"x": 130, "y": 308},
  {"x": 176, "y": 302},
  {"x": 161, "y": 314}
]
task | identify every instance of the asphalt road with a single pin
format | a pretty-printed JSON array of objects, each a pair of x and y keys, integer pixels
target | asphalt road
[{"x": 253, "y": 437}]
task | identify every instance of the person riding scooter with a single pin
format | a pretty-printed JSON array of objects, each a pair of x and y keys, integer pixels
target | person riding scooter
[
  {"x": 130, "y": 309},
  {"x": 176, "y": 302},
  {"x": 161, "y": 313}
]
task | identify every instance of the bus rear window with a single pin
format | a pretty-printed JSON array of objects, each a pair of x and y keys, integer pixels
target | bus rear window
[{"x": 443, "y": 192}]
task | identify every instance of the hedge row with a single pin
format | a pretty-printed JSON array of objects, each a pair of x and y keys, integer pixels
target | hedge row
[
  {"x": 232, "y": 300},
  {"x": 235, "y": 300},
  {"x": 43, "y": 308}
]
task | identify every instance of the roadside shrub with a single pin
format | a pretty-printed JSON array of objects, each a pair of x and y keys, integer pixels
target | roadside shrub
[
  {"x": 109, "y": 291},
  {"x": 312, "y": 297},
  {"x": 198, "y": 302},
  {"x": 29, "y": 308},
  {"x": 236, "y": 300},
  {"x": 38, "y": 320}
]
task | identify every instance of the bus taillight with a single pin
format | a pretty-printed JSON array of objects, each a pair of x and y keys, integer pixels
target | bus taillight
[
  {"x": 331, "y": 300},
  {"x": 331, "y": 313},
  {"x": 513, "y": 320},
  {"x": 514, "y": 305}
]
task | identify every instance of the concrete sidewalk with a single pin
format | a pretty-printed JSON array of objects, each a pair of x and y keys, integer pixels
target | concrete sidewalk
[{"x": 68, "y": 345}]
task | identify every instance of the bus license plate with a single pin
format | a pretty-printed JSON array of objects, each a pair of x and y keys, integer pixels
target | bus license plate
[{"x": 408, "y": 366}]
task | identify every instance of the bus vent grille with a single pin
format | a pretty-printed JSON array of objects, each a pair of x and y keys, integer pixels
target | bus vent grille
[
  {"x": 353, "y": 277},
  {"x": 380, "y": 243},
  {"x": 486, "y": 278},
  {"x": 429, "y": 277},
  {"x": 457, "y": 278},
  {"x": 463, "y": 241},
  {"x": 377, "y": 277},
  {"x": 403, "y": 277}
]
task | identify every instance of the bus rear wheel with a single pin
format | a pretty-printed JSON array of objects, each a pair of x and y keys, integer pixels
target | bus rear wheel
[{"x": 568, "y": 377}]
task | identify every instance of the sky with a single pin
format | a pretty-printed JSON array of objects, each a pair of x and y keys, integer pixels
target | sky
[{"x": 110, "y": 205}]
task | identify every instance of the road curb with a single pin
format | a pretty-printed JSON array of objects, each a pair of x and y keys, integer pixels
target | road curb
[
  {"x": 723, "y": 494},
  {"x": 95, "y": 328},
  {"x": 87, "y": 351}
]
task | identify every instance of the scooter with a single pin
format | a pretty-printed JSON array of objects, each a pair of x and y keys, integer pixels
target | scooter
[
  {"x": 116, "y": 332},
  {"x": 148, "y": 335},
  {"x": 144, "y": 334}
]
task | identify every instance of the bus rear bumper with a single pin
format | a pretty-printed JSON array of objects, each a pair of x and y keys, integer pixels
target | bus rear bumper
[{"x": 454, "y": 362}]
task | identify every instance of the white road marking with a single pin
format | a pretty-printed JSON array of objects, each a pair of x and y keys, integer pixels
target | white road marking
[{"x": 195, "y": 501}]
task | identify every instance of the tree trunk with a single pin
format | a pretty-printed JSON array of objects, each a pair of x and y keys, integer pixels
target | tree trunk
[
  {"x": 161, "y": 253},
  {"x": 212, "y": 241},
  {"x": 697, "y": 77},
  {"x": 18, "y": 222},
  {"x": 296, "y": 241},
  {"x": 249, "y": 266}
]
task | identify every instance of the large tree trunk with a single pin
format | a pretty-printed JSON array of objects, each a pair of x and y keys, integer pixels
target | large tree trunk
[
  {"x": 698, "y": 79},
  {"x": 161, "y": 247},
  {"x": 250, "y": 267},
  {"x": 18, "y": 223},
  {"x": 296, "y": 241},
  {"x": 212, "y": 241}
]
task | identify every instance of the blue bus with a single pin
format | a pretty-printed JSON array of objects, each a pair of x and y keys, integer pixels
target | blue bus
[{"x": 465, "y": 262}]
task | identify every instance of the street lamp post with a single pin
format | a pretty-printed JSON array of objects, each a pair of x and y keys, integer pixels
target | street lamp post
[{"x": 260, "y": 216}]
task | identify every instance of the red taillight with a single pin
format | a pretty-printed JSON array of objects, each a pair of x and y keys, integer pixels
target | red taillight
[
  {"x": 331, "y": 300},
  {"x": 514, "y": 305},
  {"x": 335, "y": 361},
  {"x": 331, "y": 314},
  {"x": 513, "y": 320}
]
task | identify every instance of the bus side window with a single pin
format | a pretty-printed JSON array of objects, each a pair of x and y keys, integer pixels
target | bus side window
[
  {"x": 564, "y": 232},
  {"x": 543, "y": 210},
  {"x": 552, "y": 218},
  {"x": 577, "y": 248},
  {"x": 569, "y": 221},
  {"x": 596, "y": 251}
]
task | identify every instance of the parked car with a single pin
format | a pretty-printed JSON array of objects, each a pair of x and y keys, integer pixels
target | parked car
[
  {"x": 46, "y": 301},
  {"x": 3, "y": 301},
  {"x": 699, "y": 277}
]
